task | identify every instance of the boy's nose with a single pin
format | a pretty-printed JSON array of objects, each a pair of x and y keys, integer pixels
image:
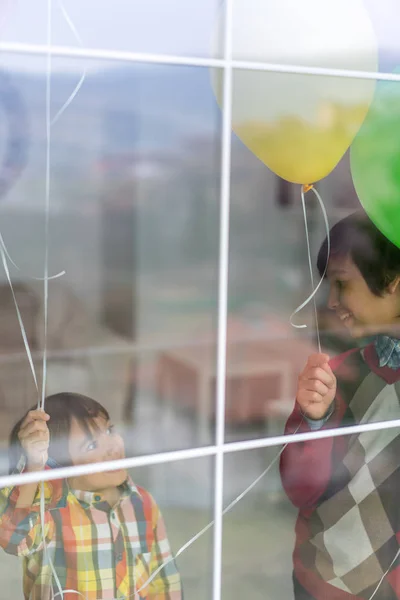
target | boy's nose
[
  {"x": 333, "y": 300},
  {"x": 111, "y": 454},
  {"x": 111, "y": 449}
]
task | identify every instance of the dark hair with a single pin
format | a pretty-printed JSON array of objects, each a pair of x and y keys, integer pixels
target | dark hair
[
  {"x": 375, "y": 256},
  {"x": 61, "y": 408}
]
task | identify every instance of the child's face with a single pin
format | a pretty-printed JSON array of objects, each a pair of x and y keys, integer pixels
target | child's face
[
  {"x": 103, "y": 444},
  {"x": 361, "y": 311}
]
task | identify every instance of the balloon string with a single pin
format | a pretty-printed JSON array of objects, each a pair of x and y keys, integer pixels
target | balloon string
[
  {"x": 384, "y": 575},
  {"x": 49, "y": 124},
  {"x": 74, "y": 30},
  {"x": 41, "y": 401},
  {"x": 6, "y": 252},
  {"x": 224, "y": 512},
  {"x": 315, "y": 290},
  {"x": 303, "y": 204}
]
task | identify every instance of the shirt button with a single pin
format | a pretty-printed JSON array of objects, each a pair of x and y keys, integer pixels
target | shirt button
[
  {"x": 119, "y": 557},
  {"x": 113, "y": 515}
]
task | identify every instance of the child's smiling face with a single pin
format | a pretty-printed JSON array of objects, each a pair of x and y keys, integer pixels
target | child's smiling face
[
  {"x": 361, "y": 311},
  {"x": 101, "y": 445}
]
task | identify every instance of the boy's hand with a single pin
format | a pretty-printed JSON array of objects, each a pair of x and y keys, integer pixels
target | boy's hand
[
  {"x": 34, "y": 438},
  {"x": 316, "y": 388}
]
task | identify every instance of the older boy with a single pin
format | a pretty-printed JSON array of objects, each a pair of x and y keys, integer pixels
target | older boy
[{"x": 346, "y": 488}]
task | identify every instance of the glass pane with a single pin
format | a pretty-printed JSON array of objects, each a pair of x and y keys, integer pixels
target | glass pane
[
  {"x": 186, "y": 502},
  {"x": 269, "y": 271},
  {"x": 134, "y": 222},
  {"x": 258, "y": 533},
  {"x": 178, "y": 27}
]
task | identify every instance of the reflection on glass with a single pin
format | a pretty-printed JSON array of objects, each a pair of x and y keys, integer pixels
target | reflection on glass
[
  {"x": 258, "y": 533},
  {"x": 265, "y": 354},
  {"x": 134, "y": 212},
  {"x": 134, "y": 217}
]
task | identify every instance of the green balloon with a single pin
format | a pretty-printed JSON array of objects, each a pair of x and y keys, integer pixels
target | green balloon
[{"x": 375, "y": 160}]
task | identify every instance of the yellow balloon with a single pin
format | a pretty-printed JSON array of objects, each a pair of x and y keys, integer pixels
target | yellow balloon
[{"x": 299, "y": 125}]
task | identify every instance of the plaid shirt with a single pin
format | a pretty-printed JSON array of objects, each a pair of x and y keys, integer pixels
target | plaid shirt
[
  {"x": 100, "y": 552},
  {"x": 388, "y": 351},
  {"x": 348, "y": 526}
]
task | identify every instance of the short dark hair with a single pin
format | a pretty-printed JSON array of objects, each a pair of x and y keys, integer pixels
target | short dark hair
[
  {"x": 376, "y": 257},
  {"x": 61, "y": 408}
]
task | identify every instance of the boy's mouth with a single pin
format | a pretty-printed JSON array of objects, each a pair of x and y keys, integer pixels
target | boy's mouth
[{"x": 344, "y": 316}]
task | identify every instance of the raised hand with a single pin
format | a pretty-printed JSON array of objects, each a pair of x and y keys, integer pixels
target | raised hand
[
  {"x": 316, "y": 387},
  {"x": 34, "y": 438}
]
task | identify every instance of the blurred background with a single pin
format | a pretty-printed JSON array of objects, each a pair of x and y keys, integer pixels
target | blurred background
[{"x": 135, "y": 173}]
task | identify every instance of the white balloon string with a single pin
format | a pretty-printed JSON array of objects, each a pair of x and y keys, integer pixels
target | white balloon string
[
  {"x": 46, "y": 553},
  {"x": 303, "y": 204},
  {"x": 72, "y": 27},
  {"x": 6, "y": 252},
  {"x": 46, "y": 280},
  {"x": 224, "y": 512},
  {"x": 384, "y": 575},
  {"x": 47, "y": 201},
  {"x": 315, "y": 290},
  {"x": 4, "y": 256}
]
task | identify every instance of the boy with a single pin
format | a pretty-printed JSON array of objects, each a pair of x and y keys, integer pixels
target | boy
[
  {"x": 347, "y": 531},
  {"x": 104, "y": 535}
]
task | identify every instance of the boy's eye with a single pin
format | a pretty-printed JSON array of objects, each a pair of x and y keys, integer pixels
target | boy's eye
[
  {"x": 110, "y": 429},
  {"x": 92, "y": 446}
]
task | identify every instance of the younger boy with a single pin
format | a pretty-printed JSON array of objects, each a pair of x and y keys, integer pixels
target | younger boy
[{"x": 104, "y": 535}]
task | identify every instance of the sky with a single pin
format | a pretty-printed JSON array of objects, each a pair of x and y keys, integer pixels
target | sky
[{"x": 182, "y": 27}]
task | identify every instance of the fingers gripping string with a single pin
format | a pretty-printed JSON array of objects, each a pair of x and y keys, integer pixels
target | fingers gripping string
[{"x": 312, "y": 296}]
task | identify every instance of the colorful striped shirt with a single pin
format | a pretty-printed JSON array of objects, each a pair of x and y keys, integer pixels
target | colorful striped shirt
[{"x": 101, "y": 552}]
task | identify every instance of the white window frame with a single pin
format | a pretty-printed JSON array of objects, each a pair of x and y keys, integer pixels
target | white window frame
[{"x": 221, "y": 447}]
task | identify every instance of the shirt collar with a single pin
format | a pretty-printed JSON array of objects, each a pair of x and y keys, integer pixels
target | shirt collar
[
  {"x": 388, "y": 351},
  {"x": 95, "y": 499},
  {"x": 89, "y": 498}
]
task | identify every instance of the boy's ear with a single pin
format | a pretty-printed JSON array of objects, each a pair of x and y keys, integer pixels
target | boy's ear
[{"x": 393, "y": 286}]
